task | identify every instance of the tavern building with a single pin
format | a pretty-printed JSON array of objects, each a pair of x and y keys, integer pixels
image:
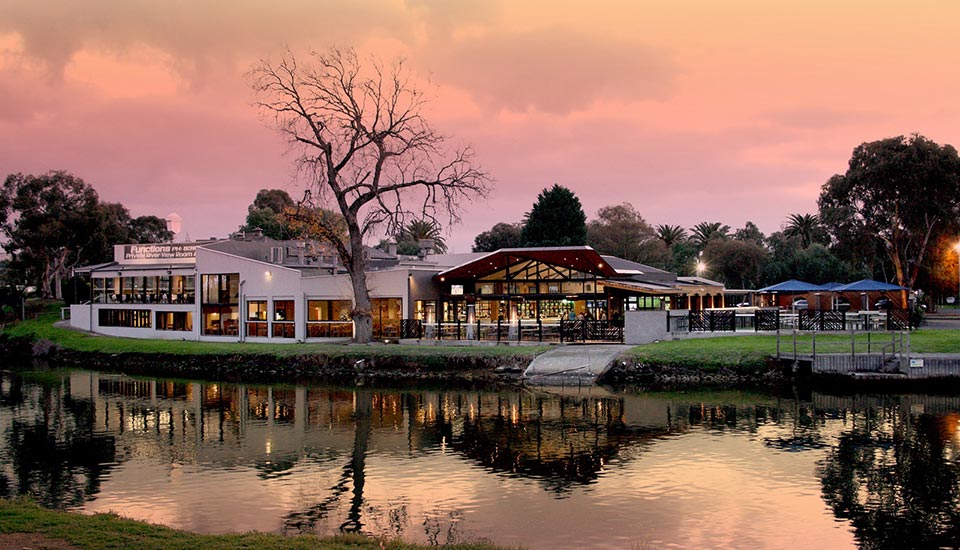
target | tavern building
[{"x": 250, "y": 288}]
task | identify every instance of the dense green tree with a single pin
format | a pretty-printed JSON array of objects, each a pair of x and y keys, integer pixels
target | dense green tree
[
  {"x": 683, "y": 258},
  {"x": 738, "y": 264},
  {"x": 816, "y": 264},
  {"x": 704, "y": 232},
  {"x": 408, "y": 241},
  {"x": 671, "y": 234},
  {"x": 556, "y": 219},
  {"x": 750, "y": 233},
  {"x": 807, "y": 228},
  {"x": 501, "y": 235},
  {"x": 268, "y": 212},
  {"x": 52, "y": 223},
  {"x": 149, "y": 229},
  {"x": 621, "y": 231},
  {"x": 901, "y": 191},
  {"x": 276, "y": 200}
]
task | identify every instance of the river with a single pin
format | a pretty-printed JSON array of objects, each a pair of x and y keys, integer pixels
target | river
[{"x": 589, "y": 468}]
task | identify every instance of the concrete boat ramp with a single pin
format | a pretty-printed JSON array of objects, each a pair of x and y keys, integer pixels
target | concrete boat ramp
[{"x": 572, "y": 364}]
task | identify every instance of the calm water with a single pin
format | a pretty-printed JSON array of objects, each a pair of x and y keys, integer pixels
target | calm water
[{"x": 589, "y": 470}]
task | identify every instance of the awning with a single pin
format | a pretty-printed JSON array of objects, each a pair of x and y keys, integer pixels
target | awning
[
  {"x": 792, "y": 285},
  {"x": 868, "y": 285}
]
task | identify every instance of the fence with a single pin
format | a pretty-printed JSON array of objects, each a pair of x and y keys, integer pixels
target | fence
[
  {"x": 845, "y": 353},
  {"x": 731, "y": 320},
  {"x": 518, "y": 331}
]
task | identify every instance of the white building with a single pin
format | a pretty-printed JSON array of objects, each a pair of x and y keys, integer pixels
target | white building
[{"x": 255, "y": 290}]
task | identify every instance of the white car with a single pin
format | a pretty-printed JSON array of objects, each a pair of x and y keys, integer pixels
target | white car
[{"x": 800, "y": 303}]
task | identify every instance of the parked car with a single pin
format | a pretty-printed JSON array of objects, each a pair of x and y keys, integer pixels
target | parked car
[
  {"x": 800, "y": 303},
  {"x": 884, "y": 303}
]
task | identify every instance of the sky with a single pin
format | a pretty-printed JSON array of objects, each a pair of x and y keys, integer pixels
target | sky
[{"x": 691, "y": 111}]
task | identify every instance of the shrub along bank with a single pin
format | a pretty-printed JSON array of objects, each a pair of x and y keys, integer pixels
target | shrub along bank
[{"x": 233, "y": 361}]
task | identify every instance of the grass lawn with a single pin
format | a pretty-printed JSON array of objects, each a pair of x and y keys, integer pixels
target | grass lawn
[
  {"x": 750, "y": 351},
  {"x": 43, "y": 327},
  {"x": 743, "y": 351},
  {"x": 107, "y": 531}
]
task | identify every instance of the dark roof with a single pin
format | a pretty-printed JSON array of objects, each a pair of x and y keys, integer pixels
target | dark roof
[
  {"x": 262, "y": 250},
  {"x": 626, "y": 265},
  {"x": 579, "y": 258}
]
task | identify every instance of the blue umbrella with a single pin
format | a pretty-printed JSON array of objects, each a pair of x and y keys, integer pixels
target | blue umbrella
[
  {"x": 792, "y": 285},
  {"x": 868, "y": 285}
]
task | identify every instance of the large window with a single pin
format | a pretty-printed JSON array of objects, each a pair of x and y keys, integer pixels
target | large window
[
  {"x": 257, "y": 318},
  {"x": 283, "y": 319},
  {"x": 163, "y": 289},
  {"x": 329, "y": 319},
  {"x": 175, "y": 320},
  {"x": 220, "y": 304},
  {"x": 221, "y": 289},
  {"x": 387, "y": 313},
  {"x": 131, "y": 318}
]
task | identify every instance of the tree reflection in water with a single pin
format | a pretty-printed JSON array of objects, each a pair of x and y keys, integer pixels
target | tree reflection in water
[
  {"x": 895, "y": 477},
  {"x": 888, "y": 467},
  {"x": 50, "y": 448}
]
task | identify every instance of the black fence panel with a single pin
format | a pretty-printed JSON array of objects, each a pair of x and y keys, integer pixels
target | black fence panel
[
  {"x": 898, "y": 319},
  {"x": 767, "y": 319},
  {"x": 699, "y": 321},
  {"x": 713, "y": 321},
  {"x": 411, "y": 328},
  {"x": 582, "y": 330}
]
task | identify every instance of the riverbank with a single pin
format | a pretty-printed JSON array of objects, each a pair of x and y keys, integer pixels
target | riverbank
[
  {"x": 27, "y": 525},
  {"x": 40, "y": 338},
  {"x": 742, "y": 360}
]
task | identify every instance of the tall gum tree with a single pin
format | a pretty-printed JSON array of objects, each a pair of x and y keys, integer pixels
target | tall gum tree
[
  {"x": 360, "y": 137},
  {"x": 903, "y": 191}
]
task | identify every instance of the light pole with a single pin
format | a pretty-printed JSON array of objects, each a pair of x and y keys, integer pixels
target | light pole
[{"x": 957, "y": 248}]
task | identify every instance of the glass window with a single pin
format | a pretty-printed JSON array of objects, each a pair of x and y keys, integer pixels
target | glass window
[
  {"x": 220, "y": 299},
  {"x": 283, "y": 319},
  {"x": 130, "y": 318},
  {"x": 175, "y": 320},
  {"x": 257, "y": 318},
  {"x": 220, "y": 320},
  {"x": 182, "y": 289},
  {"x": 387, "y": 313},
  {"x": 328, "y": 310},
  {"x": 329, "y": 319}
]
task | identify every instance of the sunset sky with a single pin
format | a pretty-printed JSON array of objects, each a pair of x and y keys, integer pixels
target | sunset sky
[{"x": 692, "y": 111}]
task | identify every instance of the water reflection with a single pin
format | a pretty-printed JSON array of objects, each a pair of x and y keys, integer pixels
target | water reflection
[
  {"x": 595, "y": 469},
  {"x": 893, "y": 472}
]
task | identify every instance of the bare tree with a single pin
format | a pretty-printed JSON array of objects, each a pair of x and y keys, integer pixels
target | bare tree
[{"x": 361, "y": 140}]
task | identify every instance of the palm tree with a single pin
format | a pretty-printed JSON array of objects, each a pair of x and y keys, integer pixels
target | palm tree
[
  {"x": 418, "y": 230},
  {"x": 704, "y": 232},
  {"x": 804, "y": 226},
  {"x": 671, "y": 234}
]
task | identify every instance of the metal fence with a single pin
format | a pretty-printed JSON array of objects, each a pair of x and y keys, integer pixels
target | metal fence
[
  {"x": 578, "y": 330},
  {"x": 723, "y": 320}
]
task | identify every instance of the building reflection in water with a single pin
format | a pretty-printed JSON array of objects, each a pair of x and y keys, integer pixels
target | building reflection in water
[{"x": 216, "y": 457}]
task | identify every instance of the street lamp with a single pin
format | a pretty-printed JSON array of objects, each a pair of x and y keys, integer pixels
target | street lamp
[{"x": 957, "y": 248}]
